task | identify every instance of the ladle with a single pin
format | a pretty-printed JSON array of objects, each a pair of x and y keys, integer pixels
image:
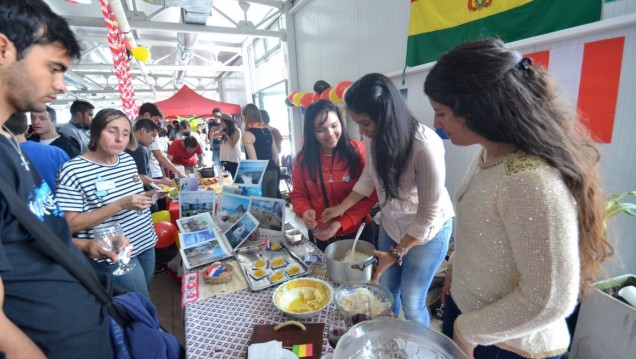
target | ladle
[{"x": 355, "y": 241}]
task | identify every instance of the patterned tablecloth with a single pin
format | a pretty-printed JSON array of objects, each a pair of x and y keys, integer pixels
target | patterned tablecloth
[{"x": 221, "y": 327}]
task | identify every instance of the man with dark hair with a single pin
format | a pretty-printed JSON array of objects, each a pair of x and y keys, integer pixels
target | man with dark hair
[
  {"x": 43, "y": 124},
  {"x": 214, "y": 134},
  {"x": 152, "y": 112},
  {"x": 145, "y": 132},
  {"x": 78, "y": 127},
  {"x": 44, "y": 310},
  {"x": 47, "y": 159}
]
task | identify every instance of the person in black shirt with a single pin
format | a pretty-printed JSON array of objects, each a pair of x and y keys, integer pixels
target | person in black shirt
[
  {"x": 43, "y": 124},
  {"x": 44, "y": 310}
]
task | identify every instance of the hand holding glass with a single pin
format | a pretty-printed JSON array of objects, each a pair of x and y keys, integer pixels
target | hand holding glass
[{"x": 110, "y": 237}]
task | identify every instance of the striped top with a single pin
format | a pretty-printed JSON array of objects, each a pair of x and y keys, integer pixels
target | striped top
[{"x": 77, "y": 192}]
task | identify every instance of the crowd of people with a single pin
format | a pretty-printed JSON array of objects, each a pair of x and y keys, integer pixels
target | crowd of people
[{"x": 527, "y": 218}]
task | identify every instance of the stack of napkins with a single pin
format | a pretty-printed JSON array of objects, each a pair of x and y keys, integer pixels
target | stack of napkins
[{"x": 270, "y": 350}]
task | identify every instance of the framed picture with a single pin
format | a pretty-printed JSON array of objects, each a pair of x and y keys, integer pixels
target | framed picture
[
  {"x": 199, "y": 222},
  {"x": 241, "y": 230},
  {"x": 250, "y": 172},
  {"x": 233, "y": 207},
  {"x": 269, "y": 212}
]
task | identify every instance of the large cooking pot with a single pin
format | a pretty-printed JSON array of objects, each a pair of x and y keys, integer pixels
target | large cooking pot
[
  {"x": 341, "y": 272},
  {"x": 206, "y": 172}
]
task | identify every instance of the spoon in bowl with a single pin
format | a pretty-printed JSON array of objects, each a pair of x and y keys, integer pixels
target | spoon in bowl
[{"x": 355, "y": 241}]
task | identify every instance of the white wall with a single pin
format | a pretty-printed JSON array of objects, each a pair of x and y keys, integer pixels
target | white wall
[{"x": 342, "y": 40}]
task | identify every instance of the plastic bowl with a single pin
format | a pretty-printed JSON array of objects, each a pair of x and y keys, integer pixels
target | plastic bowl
[
  {"x": 290, "y": 296},
  {"x": 294, "y": 236},
  {"x": 349, "y": 297}
]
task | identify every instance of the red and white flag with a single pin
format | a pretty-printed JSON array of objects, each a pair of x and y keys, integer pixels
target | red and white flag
[{"x": 590, "y": 74}]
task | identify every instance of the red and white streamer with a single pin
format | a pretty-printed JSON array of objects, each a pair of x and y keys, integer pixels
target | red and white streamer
[{"x": 120, "y": 62}]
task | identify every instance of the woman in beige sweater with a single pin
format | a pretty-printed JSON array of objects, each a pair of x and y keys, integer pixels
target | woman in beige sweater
[{"x": 529, "y": 233}]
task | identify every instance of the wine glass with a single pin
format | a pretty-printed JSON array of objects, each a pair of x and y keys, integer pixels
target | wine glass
[
  {"x": 333, "y": 336},
  {"x": 110, "y": 237},
  {"x": 362, "y": 311}
]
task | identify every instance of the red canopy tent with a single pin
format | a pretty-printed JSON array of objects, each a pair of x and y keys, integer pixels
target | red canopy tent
[{"x": 186, "y": 102}]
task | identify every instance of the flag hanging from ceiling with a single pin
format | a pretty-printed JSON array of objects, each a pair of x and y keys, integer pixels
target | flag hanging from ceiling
[
  {"x": 589, "y": 73},
  {"x": 437, "y": 26}
]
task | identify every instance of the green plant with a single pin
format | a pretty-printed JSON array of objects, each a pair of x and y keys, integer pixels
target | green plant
[{"x": 615, "y": 206}]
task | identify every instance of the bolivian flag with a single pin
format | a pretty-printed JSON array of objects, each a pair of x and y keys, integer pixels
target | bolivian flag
[{"x": 437, "y": 26}]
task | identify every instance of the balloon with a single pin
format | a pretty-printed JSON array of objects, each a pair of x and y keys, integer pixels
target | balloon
[
  {"x": 333, "y": 97},
  {"x": 305, "y": 101},
  {"x": 288, "y": 103},
  {"x": 166, "y": 233},
  {"x": 141, "y": 53},
  {"x": 315, "y": 97},
  {"x": 160, "y": 216},
  {"x": 297, "y": 97},
  {"x": 290, "y": 97},
  {"x": 325, "y": 94},
  {"x": 342, "y": 87}
]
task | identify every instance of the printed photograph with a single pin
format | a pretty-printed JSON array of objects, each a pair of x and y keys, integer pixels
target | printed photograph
[
  {"x": 205, "y": 253},
  {"x": 191, "y": 239},
  {"x": 250, "y": 172},
  {"x": 241, "y": 230},
  {"x": 269, "y": 212},
  {"x": 196, "y": 202},
  {"x": 233, "y": 207}
]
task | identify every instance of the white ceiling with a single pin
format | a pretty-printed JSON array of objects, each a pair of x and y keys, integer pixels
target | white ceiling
[{"x": 216, "y": 46}]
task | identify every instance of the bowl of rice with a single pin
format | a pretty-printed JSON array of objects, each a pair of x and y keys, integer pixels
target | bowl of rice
[
  {"x": 350, "y": 297},
  {"x": 303, "y": 298}
]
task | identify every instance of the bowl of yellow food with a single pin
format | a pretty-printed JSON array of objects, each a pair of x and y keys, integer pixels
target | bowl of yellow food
[{"x": 303, "y": 298}]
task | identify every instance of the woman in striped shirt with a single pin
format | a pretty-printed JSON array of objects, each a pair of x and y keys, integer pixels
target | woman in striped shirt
[{"x": 103, "y": 186}]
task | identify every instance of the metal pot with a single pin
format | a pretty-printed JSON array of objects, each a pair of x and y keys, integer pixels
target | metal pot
[
  {"x": 341, "y": 272},
  {"x": 206, "y": 172}
]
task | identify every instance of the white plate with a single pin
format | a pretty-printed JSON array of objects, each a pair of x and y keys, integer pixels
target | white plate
[{"x": 287, "y": 354}]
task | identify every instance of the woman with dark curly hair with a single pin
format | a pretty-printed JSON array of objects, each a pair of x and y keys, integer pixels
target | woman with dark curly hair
[{"x": 530, "y": 209}]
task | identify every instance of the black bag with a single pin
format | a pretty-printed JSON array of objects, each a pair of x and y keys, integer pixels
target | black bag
[{"x": 120, "y": 317}]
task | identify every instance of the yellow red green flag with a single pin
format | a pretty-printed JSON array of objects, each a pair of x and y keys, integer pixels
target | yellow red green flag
[{"x": 437, "y": 26}]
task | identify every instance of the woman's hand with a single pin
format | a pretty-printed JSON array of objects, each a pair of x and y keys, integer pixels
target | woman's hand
[
  {"x": 135, "y": 202},
  {"x": 91, "y": 249},
  {"x": 309, "y": 217},
  {"x": 331, "y": 213},
  {"x": 385, "y": 260},
  {"x": 448, "y": 279},
  {"x": 332, "y": 227}
]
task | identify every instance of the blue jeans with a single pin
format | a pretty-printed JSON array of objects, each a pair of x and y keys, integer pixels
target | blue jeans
[
  {"x": 451, "y": 312},
  {"x": 140, "y": 277},
  {"x": 409, "y": 283}
]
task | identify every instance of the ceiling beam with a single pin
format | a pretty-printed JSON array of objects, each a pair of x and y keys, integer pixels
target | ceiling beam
[
  {"x": 194, "y": 68},
  {"x": 201, "y": 44},
  {"x": 177, "y": 27},
  {"x": 112, "y": 74}
]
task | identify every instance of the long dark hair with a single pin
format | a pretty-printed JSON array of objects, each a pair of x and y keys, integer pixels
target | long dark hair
[
  {"x": 395, "y": 127},
  {"x": 231, "y": 128},
  {"x": 309, "y": 154},
  {"x": 505, "y": 99}
]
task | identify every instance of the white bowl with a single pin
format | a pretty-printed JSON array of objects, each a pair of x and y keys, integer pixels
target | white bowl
[
  {"x": 288, "y": 297},
  {"x": 294, "y": 236}
]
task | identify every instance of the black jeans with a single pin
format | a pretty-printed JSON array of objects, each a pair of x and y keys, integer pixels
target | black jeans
[{"x": 451, "y": 312}]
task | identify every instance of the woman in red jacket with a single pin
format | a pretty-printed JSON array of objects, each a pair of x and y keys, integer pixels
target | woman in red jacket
[{"x": 325, "y": 170}]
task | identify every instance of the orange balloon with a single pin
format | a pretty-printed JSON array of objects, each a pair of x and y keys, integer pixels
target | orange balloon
[
  {"x": 325, "y": 94},
  {"x": 342, "y": 87},
  {"x": 305, "y": 101},
  {"x": 296, "y": 98},
  {"x": 333, "y": 97},
  {"x": 290, "y": 97},
  {"x": 315, "y": 97},
  {"x": 166, "y": 233}
]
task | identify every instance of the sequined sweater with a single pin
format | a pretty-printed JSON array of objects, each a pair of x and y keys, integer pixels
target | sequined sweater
[{"x": 516, "y": 261}]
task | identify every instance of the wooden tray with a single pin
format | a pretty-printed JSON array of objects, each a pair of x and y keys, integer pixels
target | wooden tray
[{"x": 291, "y": 335}]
